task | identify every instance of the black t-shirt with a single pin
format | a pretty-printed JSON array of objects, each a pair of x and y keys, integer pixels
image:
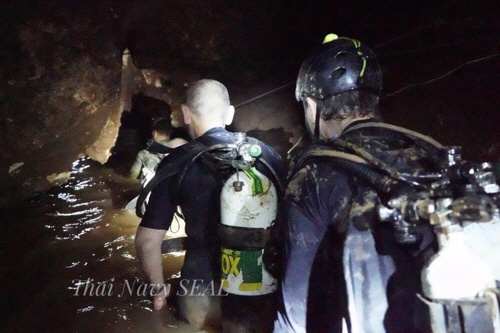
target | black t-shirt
[{"x": 199, "y": 198}]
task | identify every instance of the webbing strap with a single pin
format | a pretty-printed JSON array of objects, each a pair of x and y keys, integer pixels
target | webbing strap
[
  {"x": 333, "y": 153},
  {"x": 399, "y": 129}
]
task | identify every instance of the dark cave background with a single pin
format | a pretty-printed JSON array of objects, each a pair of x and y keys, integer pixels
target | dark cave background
[{"x": 65, "y": 91}]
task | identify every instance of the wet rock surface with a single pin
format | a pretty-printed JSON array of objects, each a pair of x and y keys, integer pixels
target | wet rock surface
[{"x": 60, "y": 82}]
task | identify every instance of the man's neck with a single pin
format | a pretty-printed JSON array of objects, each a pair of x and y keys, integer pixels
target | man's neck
[
  {"x": 200, "y": 128},
  {"x": 161, "y": 138}
]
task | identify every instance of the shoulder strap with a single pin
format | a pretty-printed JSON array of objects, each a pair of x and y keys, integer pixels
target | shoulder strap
[
  {"x": 319, "y": 151},
  {"x": 329, "y": 152},
  {"x": 157, "y": 148},
  {"x": 399, "y": 129},
  {"x": 167, "y": 171},
  {"x": 361, "y": 164}
]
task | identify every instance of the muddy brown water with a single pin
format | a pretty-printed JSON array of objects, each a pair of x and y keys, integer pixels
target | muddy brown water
[{"x": 68, "y": 261}]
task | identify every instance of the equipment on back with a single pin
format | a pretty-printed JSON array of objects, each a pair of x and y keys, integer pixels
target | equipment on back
[
  {"x": 339, "y": 65},
  {"x": 172, "y": 169},
  {"x": 249, "y": 201},
  {"x": 459, "y": 287},
  {"x": 150, "y": 163}
]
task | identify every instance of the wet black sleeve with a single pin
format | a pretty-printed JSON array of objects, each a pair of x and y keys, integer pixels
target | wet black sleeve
[
  {"x": 161, "y": 206},
  {"x": 317, "y": 200}
]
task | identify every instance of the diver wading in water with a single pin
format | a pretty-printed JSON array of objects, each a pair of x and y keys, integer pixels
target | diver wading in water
[
  {"x": 147, "y": 160},
  {"x": 190, "y": 179},
  {"x": 362, "y": 209}
]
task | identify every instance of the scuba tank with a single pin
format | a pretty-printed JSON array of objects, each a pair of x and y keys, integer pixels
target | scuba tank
[
  {"x": 458, "y": 285},
  {"x": 249, "y": 202}
]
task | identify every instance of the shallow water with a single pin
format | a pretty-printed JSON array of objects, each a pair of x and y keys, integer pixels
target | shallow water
[{"x": 69, "y": 261}]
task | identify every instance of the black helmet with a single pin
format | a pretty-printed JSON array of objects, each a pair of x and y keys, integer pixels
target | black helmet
[{"x": 339, "y": 65}]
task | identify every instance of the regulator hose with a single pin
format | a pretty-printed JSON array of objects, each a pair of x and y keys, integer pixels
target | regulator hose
[
  {"x": 380, "y": 182},
  {"x": 414, "y": 181},
  {"x": 358, "y": 167}
]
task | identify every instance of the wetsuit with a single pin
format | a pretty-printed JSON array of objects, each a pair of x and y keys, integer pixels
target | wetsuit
[
  {"x": 343, "y": 268},
  {"x": 199, "y": 198}
]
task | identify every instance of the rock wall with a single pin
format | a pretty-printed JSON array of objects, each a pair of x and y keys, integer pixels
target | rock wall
[{"x": 62, "y": 69}]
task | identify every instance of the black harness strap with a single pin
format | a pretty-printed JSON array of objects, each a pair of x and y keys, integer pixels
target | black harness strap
[
  {"x": 399, "y": 129},
  {"x": 158, "y": 148},
  {"x": 167, "y": 171}
]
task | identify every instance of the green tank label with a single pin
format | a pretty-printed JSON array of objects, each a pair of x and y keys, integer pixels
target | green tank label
[
  {"x": 257, "y": 186},
  {"x": 247, "y": 263}
]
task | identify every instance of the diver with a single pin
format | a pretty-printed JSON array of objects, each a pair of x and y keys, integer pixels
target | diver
[
  {"x": 197, "y": 191},
  {"x": 343, "y": 271},
  {"x": 147, "y": 159}
]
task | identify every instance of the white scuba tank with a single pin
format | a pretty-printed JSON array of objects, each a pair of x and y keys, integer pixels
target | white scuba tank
[
  {"x": 252, "y": 205},
  {"x": 455, "y": 273}
]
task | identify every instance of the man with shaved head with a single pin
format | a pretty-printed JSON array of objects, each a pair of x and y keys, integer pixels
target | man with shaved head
[
  {"x": 207, "y": 106},
  {"x": 206, "y": 112}
]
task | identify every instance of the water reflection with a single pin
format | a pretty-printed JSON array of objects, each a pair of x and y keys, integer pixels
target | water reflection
[{"x": 73, "y": 237}]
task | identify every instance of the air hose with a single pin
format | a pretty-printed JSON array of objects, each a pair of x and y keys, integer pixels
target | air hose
[
  {"x": 360, "y": 168},
  {"x": 393, "y": 173}
]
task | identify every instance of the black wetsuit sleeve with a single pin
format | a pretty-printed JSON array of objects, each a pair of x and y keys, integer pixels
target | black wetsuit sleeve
[
  {"x": 317, "y": 201},
  {"x": 161, "y": 206}
]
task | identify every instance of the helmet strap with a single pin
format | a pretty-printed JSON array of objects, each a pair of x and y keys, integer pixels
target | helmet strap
[
  {"x": 319, "y": 106},
  {"x": 316, "y": 124},
  {"x": 313, "y": 134}
]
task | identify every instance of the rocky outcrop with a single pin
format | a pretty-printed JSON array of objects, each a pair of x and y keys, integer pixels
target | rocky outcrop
[{"x": 61, "y": 96}]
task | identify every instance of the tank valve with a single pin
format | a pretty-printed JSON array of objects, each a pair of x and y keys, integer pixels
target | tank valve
[
  {"x": 255, "y": 150},
  {"x": 238, "y": 186}
]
